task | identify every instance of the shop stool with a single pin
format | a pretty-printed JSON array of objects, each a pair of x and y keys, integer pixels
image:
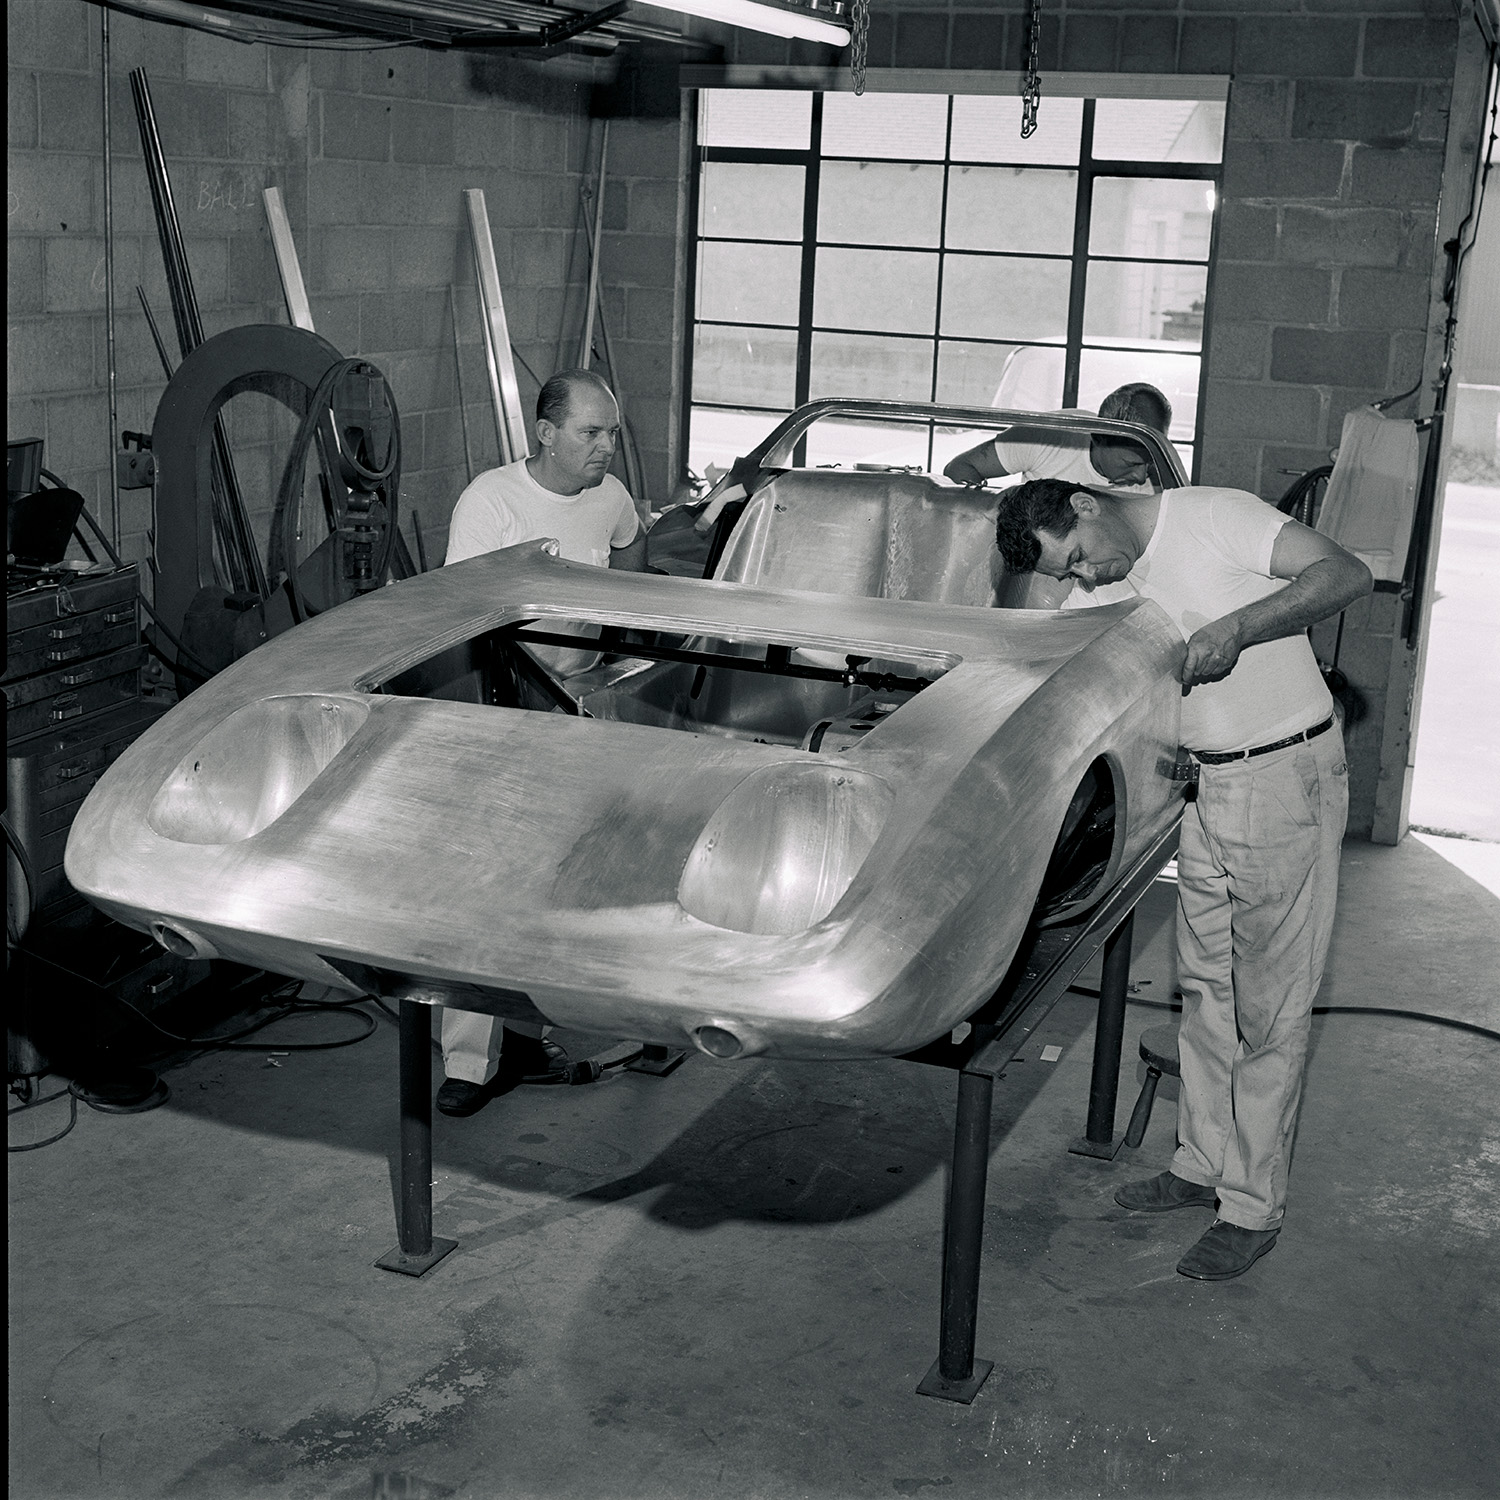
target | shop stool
[{"x": 1159, "y": 1053}]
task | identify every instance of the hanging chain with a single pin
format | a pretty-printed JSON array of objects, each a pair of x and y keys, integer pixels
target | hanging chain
[
  {"x": 860, "y": 43},
  {"x": 1031, "y": 94}
]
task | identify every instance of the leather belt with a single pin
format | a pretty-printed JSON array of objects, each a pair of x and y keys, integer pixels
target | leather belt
[{"x": 1223, "y": 757}]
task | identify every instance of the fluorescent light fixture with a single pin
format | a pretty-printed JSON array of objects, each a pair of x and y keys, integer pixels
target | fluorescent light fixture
[{"x": 789, "y": 18}]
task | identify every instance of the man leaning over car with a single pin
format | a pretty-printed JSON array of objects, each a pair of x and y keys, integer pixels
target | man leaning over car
[{"x": 1259, "y": 856}]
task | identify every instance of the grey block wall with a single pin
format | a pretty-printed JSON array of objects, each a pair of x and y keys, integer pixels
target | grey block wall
[{"x": 371, "y": 151}]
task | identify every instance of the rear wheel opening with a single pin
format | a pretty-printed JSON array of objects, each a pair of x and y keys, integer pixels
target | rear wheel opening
[{"x": 1084, "y": 845}]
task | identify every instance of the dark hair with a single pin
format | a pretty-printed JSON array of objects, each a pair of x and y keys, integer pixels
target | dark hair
[
  {"x": 1138, "y": 402},
  {"x": 555, "y": 399},
  {"x": 1037, "y": 505}
]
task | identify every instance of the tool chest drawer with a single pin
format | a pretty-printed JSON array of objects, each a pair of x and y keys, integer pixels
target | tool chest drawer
[
  {"x": 52, "y": 647},
  {"x": 73, "y": 691}
]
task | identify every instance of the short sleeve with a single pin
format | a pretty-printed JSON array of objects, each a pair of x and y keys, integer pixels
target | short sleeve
[
  {"x": 627, "y": 524},
  {"x": 1245, "y": 530}
]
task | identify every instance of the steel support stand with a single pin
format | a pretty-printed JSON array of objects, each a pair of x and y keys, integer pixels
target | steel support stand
[
  {"x": 956, "y": 1375},
  {"x": 657, "y": 1059},
  {"x": 418, "y": 1252},
  {"x": 1098, "y": 1138}
]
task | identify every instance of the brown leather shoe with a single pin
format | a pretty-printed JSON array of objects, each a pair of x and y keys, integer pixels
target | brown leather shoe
[
  {"x": 1226, "y": 1251},
  {"x": 1166, "y": 1190}
]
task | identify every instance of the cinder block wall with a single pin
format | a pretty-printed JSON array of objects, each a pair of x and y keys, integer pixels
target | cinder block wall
[
  {"x": 1322, "y": 293},
  {"x": 371, "y": 150}
]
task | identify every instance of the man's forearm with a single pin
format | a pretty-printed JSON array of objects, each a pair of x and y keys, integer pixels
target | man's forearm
[{"x": 1321, "y": 589}]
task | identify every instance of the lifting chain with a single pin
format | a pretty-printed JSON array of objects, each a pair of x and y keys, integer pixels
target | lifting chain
[
  {"x": 860, "y": 40},
  {"x": 1031, "y": 92}
]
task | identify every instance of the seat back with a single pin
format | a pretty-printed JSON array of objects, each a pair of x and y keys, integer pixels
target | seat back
[{"x": 876, "y": 536}]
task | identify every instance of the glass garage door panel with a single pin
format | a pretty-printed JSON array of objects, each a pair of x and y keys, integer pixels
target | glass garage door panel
[
  {"x": 740, "y": 283},
  {"x": 1151, "y": 218},
  {"x": 1005, "y": 297},
  {"x": 763, "y": 119},
  {"x": 1101, "y": 371},
  {"x": 745, "y": 366},
  {"x": 880, "y": 203},
  {"x": 853, "y": 364},
  {"x": 883, "y": 291},
  {"x": 1028, "y": 377},
  {"x": 903, "y": 126},
  {"x": 1137, "y": 302},
  {"x": 751, "y": 200},
  {"x": 987, "y": 127},
  {"x": 1011, "y": 208},
  {"x": 719, "y": 437},
  {"x": 1159, "y": 130}
]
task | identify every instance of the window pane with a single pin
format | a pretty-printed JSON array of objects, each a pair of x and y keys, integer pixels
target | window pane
[
  {"x": 757, "y": 200},
  {"x": 1027, "y": 377},
  {"x": 1005, "y": 297},
  {"x": 1010, "y": 208},
  {"x": 1158, "y": 130},
  {"x": 772, "y": 119},
  {"x": 886, "y": 291},
  {"x": 848, "y": 443},
  {"x": 850, "y": 364},
  {"x": 987, "y": 127},
  {"x": 1101, "y": 371},
  {"x": 720, "y": 437},
  {"x": 748, "y": 283},
  {"x": 1153, "y": 217},
  {"x": 888, "y": 125},
  {"x": 1137, "y": 302},
  {"x": 880, "y": 203},
  {"x": 749, "y": 366}
]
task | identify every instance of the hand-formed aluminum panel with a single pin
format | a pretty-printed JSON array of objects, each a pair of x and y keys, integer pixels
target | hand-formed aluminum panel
[{"x": 672, "y": 855}]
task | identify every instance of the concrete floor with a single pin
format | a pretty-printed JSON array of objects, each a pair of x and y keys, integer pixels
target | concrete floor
[{"x": 725, "y": 1283}]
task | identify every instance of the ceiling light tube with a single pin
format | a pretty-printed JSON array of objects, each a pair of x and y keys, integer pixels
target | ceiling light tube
[{"x": 787, "y": 18}]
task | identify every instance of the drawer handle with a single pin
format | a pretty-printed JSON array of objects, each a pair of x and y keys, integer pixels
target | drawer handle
[
  {"x": 67, "y": 773},
  {"x": 66, "y": 653},
  {"x": 73, "y": 679},
  {"x": 120, "y": 616},
  {"x": 65, "y": 632},
  {"x": 60, "y": 713}
]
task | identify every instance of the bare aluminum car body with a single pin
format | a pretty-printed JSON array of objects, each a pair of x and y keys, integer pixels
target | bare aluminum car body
[{"x": 821, "y": 833}]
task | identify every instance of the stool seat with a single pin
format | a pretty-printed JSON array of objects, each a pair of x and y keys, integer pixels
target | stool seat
[{"x": 1159, "y": 1049}]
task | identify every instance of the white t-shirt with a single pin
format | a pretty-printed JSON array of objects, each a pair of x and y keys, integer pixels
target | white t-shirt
[
  {"x": 505, "y": 506},
  {"x": 1210, "y": 555},
  {"x": 1064, "y": 456}
]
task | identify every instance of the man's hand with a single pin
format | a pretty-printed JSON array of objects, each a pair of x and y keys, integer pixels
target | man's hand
[{"x": 1212, "y": 652}]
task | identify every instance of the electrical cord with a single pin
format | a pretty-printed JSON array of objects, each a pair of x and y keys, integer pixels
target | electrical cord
[
  {"x": 18, "y": 1109},
  {"x": 1325, "y": 1010}
]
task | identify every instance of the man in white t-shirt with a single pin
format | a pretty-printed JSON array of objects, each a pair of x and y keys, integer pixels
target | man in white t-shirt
[
  {"x": 1035, "y": 453},
  {"x": 1259, "y": 857},
  {"x": 564, "y": 491}
]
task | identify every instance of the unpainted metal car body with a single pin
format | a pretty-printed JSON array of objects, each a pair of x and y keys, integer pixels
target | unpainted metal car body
[{"x": 806, "y": 808}]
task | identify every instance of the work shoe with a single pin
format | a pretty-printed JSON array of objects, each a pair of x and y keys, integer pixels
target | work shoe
[
  {"x": 528, "y": 1057},
  {"x": 1226, "y": 1251},
  {"x": 460, "y": 1097},
  {"x": 1166, "y": 1190}
]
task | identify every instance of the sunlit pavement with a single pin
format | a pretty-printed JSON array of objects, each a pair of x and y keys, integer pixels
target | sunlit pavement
[{"x": 1456, "y": 785}]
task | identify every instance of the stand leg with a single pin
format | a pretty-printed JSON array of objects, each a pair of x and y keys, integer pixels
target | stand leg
[
  {"x": 957, "y": 1375},
  {"x": 1109, "y": 1035},
  {"x": 1140, "y": 1116},
  {"x": 417, "y": 1251}
]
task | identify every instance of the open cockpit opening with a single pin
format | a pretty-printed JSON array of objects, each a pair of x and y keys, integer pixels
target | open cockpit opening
[{"x": 820, "y": 697}]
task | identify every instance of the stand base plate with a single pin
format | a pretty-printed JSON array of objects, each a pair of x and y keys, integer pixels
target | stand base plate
[
  {"x": 964, "y": 1391},
  {"x": 657, "y": 1061},
  {"x": 416, "y": 1265},
  {"x": 1105, "y": 1150}
]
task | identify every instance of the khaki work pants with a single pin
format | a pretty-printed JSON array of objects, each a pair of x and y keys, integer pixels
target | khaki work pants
[
  {"x": 1258, "y": 872},
  {"x": 471, "y": 1043}
]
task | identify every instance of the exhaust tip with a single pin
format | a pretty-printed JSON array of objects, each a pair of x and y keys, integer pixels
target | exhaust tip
[
  {"x": 181, "y": 942},
  {"x": 718, "y": 1042}
]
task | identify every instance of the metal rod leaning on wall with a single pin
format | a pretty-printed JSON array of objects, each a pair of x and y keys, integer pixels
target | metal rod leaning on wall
[
  {"x": 298, "y": 309},
  {"x": 510, "y": 424},
  {"x": 458, "y": 375},
  {"x": 586, "y": 339},
  {"x": 239, "y": 546},
  {"x": 109, "y": 281}
]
